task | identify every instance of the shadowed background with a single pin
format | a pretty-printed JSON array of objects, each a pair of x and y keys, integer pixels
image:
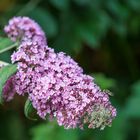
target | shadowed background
[{"x": 104, "y": 38}]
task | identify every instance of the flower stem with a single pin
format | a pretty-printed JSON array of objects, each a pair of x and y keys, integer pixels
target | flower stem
[
  {"x": 9, "y": 48},
  {"x": 2, "y": 63}
]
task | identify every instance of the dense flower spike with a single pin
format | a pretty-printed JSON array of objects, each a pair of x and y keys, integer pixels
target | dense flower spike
[{"x": 54, "y": 82}]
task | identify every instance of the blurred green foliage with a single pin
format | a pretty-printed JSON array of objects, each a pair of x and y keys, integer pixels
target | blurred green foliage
[{"x": 104, "y": 38}]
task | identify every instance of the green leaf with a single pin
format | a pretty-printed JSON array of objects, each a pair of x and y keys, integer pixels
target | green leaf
[
  {"x": 87, "y": 35},
  {"x": 6, "y": 56},
  {"x": 61, "y": 5},
  {"x": 43, "y": 131},
  {"x": 103, "y": 81},
  {"x": 53, "y": 131},
  {"x": 93, "y": 28},
  {"x": 134, "y": 4},
  {"x": 6, "y": 44},
  {"x": 68, "y": 43},
  {"x": 28, "y": 110},
  {"x": 64, "y": 134},
  {"x": 117, "y": 129},
  {"x": 82, "y": 2},
  {"x": 135, "y": 25},
  {"x": 2, "y": 63},
  {"x": 5, "y": 73},
  {"x": 46, "y": 20},
  {"x": 132, "y": 109},
  {"x": 119, "y": 10}
]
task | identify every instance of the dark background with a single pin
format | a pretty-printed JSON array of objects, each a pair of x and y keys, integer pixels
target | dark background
[{"x": 103, "y": 36}]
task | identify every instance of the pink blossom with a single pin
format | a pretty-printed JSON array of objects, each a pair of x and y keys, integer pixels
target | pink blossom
[{"x": 54, "y": 82}]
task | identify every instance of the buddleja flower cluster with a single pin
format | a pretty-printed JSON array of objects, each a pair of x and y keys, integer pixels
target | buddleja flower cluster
[{"x": 54, "y": 82}]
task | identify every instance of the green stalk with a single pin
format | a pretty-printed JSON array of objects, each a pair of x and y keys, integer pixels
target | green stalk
[
  {"x": 9, "y": 48},
  {"x": 2, "y": 63}
]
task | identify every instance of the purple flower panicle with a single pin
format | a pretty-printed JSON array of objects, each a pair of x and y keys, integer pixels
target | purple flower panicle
[{"x": 54, "y": 82}]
